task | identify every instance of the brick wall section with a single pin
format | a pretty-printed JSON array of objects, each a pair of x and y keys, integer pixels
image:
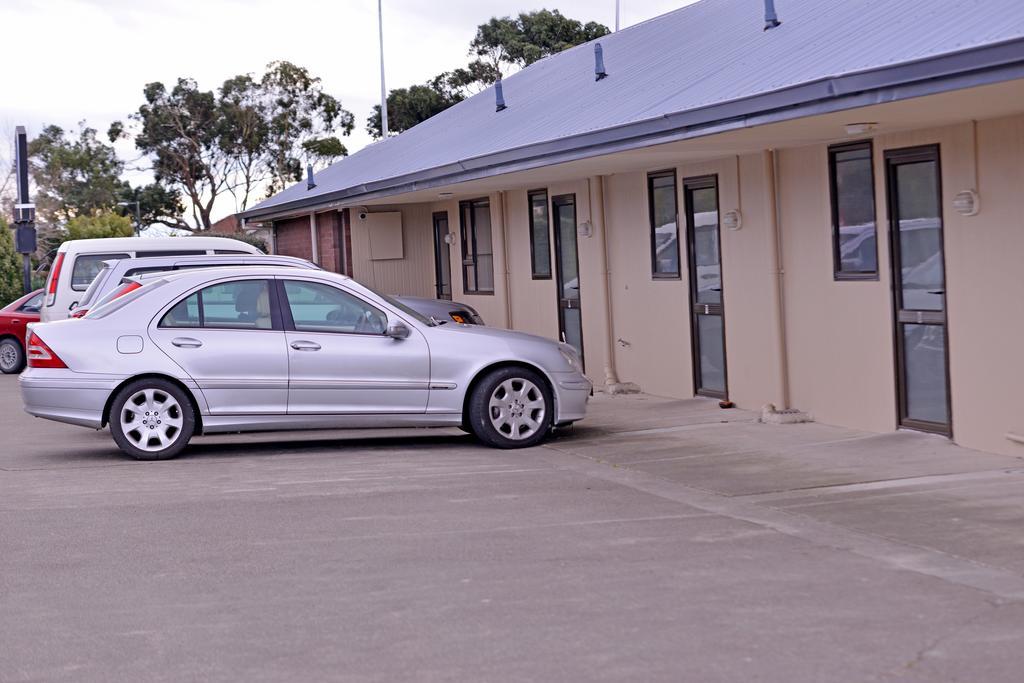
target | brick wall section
[
  {"x": 293, "y": 237},
  {"x": 327, "y": 225}
]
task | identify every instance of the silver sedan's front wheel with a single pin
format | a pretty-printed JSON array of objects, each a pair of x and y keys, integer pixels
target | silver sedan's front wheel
[
  {"x": 510, "y": 407},
  {"x": 152, "y": 419},
  {"x": 517, "y": 408}
]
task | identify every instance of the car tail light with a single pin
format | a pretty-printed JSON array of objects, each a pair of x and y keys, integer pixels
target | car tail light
[
  {"x": 79, "y": 312},
  {"x": 40, "y": 355},
  {"x": 51, "y": 286}
]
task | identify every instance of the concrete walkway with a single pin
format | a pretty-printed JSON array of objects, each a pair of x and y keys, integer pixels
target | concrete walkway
[
  {"x": 657, "y": 541},
  {"x": 911, "y": 499}
]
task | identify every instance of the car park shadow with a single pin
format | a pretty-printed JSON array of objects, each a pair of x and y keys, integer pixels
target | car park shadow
[{"x": 271, "y": 444}]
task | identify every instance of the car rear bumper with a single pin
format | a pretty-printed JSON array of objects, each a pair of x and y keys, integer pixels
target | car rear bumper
[
  {"x": 572, "y": 392},
  {"x": 61, "y": 396}
]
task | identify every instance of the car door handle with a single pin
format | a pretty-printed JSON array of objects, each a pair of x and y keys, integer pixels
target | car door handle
[
  {"x": 305, "y": 346},
  {"x": 186, "y": 342},
  {"x": 16, "y": 321}
]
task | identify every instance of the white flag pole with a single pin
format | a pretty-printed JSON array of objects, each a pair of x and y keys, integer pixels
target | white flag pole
[{"x": 383, "y": 88}]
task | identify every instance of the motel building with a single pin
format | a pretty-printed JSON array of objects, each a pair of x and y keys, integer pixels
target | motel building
[{"x": 825, "y": 215}]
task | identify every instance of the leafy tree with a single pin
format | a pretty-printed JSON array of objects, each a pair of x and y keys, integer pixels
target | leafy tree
[
  {"x": 102, "y": 225},
  {"x": 499, "y": 45},
  {"x": 415, "y": 104},
  {"x": 250, "y": 133},
  {"x": 302, "y": 120},
  {"x": 80, "y": 175},
  {"x": 506, "y": 42},
  {"x": 76, "y": 176},
  {"x": 157, "y": 204},
  {"x": 10, "y": 266},
  {"x": 180, "y": 130}
]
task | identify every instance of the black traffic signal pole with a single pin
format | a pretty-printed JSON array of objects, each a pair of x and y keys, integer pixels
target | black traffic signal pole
[{"x": 24, "y": 210}]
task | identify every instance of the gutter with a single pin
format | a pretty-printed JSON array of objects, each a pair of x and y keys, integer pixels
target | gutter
[{"x": 985, "y": 65}]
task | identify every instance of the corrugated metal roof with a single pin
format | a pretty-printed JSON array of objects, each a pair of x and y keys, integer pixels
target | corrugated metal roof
[{"x": 706, "y": 54}]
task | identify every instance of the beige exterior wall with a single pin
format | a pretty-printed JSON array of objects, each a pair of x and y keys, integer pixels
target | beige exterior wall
[
  {"x": 412, "y": 275},
  {"x": 839, "y": 334}
]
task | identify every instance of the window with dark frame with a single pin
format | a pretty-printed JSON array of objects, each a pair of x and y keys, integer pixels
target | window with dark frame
[
  {"x": 854, "y": 231},
  {"x": 663, "y": 204},
  {"x": 540, "y": 235},
  {"x": 477, "y": 247}
]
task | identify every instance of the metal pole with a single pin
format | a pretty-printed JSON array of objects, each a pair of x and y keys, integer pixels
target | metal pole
[
  {"x": 138, "y": 219},
  {"x": 617, "y": 15},
  {"x": 383, "y": 88}
]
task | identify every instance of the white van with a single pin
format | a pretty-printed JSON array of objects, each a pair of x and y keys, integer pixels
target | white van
[{"x": 78, "y": 261}]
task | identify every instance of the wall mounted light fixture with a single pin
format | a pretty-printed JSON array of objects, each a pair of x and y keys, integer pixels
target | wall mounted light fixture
[
  {"x": 732, "y": 220},
  {"x": 967, "y": 203}
]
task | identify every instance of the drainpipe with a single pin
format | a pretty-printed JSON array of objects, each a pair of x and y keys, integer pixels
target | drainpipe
[
  {"x": 503, "y": 200},
  {"x": 778, "y": 271},
  {"x": 314, "y": 241},
  {"x": 611, "y": 375}
]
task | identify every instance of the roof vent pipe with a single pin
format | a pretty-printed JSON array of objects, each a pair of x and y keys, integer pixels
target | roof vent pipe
[
  {"x": 499, "y": 96},
  {"x": 599, "y": 71},
  {"x": 310, "y": 183},
  {"x": 771, "y": 20}
]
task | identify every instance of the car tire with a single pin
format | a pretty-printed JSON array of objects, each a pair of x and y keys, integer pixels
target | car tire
[
  {"x": 152, "y": 419},
  {"x": 12, "y": 357},
  {"x": 511, "y": 407}
]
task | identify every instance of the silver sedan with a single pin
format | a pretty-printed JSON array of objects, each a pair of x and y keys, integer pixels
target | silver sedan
[{"x": 270, "y": 348}]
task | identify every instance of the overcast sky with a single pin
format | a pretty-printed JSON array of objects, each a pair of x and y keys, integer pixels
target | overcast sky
[{"x": 68, "y": 60}]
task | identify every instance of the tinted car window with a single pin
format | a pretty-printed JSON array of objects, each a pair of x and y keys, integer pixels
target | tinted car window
[
  {"x": 87, "y": 266},
  {"x": 184, "y": 314},
  {"x": 243, "y": 305},
  {"x": 33, "y": 304},
  {"x": 317, "y": 307}
]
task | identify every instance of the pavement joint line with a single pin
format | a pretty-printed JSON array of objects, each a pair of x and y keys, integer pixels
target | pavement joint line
[
  {"x": 897, "y": 554},
  {"x": 299, "y": 482},
  {"x": 748, "y": 451},
  {"x": 883, "y": 484},
  {"x": 489, "y": 530}
]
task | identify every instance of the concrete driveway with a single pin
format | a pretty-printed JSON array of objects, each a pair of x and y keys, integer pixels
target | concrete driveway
[{"x": 660, "y": 540}]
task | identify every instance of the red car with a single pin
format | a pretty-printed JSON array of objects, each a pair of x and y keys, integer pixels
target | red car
[{"x": 13, "y": 320}]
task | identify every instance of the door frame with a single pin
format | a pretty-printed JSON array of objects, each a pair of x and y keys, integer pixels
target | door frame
[
  {"x": 438, "y": 246},
  {"x": 894, "y": 158},
  {"x": 568, "y": 199},
  {"x": 701, "y": 183}
]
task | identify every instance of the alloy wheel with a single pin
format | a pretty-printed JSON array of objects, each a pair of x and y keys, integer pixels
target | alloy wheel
[
  {"x": 151, "y": 420},
  {"x": 8, "y": 356},
  {"x": 517, "y": 408}
]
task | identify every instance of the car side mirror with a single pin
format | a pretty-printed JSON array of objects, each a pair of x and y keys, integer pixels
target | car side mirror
[{"x": 397, "y": 330}]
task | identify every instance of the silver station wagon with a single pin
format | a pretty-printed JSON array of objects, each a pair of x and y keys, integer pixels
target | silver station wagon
[{"x": 273, "y": 348}]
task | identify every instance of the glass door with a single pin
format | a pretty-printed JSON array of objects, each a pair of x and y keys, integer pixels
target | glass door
[
  {"x": 442, "y": 257},
  {"x": 919, "y": 288},
  {"x": 708, "y": 316},
  {"x": 567, "y": 264}
]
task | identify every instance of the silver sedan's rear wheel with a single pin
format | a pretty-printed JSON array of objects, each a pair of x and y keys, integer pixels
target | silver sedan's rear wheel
[
  {"x": 511, "y": 408},
  {"x": 152, "y": 419}
]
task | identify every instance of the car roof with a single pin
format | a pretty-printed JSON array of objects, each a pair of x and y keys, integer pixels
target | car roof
[
  {"x": 106, "y": 244},
  {"x": 213, "y": 259},
  {"x": 249, "y": 271}
]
